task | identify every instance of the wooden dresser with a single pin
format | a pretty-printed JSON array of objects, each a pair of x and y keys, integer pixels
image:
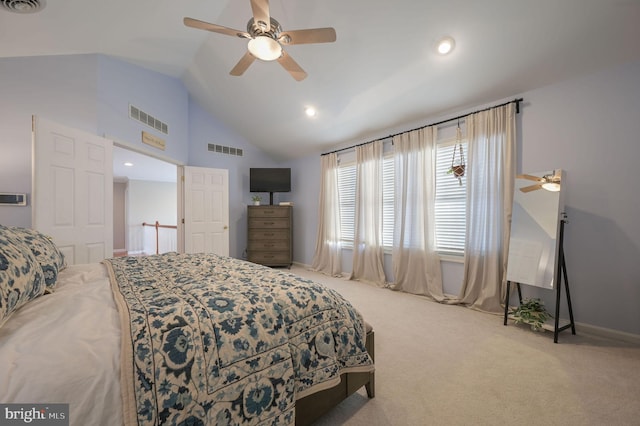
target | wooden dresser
[{"x": 270, "y": 239}]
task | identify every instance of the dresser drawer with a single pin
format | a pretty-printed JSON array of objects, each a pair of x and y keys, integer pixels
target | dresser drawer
[
  {"x": 268, "y": 223},
  {"x": 269, "y": 234},
  {"x": 269, "y": 245},
  {"x": 268, "y": 258},
  {"x": 258, "y": 212}
]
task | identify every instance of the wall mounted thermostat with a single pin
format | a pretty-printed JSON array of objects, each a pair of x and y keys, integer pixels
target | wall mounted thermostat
[{"x": 7, "y": 199}]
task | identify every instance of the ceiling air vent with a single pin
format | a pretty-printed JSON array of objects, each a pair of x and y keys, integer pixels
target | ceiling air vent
[
  {"x": 228, "y": 150},
  {"x": 149, "y": 120},
  {"x": 23, "y": 6}
]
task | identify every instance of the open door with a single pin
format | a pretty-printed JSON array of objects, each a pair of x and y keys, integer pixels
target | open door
[
  {"x": 204, "y": 207},
  {"x": 73, "y": 190}
]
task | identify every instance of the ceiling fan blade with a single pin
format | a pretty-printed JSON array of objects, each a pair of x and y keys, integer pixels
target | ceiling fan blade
[
  {"x": 529, "y": 177},
  {"x": 292, "y": 67},
  {"x": 260, "y": 10},
  {"x": 314, "y": 35},
  {"x": 242, "y": 64},
  {"x": 531, "y": 188},
  {"x": 202, "y": 25}
]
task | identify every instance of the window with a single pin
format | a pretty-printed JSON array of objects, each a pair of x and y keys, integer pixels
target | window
[
  {"x": 450, "y": 207},
  {"x": 347, "y": 196},
  {"x": 451, "y": 202},
  {"x": 388, "y": 201}
]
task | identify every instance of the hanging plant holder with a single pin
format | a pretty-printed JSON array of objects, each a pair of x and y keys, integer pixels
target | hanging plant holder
[
  {"x": 458, "y": 171},
  {"x": 458, "y": 166}
]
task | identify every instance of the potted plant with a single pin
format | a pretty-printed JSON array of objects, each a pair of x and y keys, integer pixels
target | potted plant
[
  {"x": 530, "y": 311},
  {"x": 256, "y": 200}
]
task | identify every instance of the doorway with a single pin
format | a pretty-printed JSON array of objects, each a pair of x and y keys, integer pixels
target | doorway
[{"x": 145, "y": 208}]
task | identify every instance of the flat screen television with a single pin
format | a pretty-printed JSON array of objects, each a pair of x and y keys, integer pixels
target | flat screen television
[{"x": 270, "y": 180}]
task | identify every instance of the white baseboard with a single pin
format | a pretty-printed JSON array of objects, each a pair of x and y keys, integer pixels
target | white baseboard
[{"x": 608, "y": 333}]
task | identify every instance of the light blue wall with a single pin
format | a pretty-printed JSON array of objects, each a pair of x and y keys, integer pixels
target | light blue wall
[
  {"x": 60, "y": 88},
  {"x": 305, "y": 190},
  {"x": 205, "y": 130},
  {"x": 93, "y": 93},
  {"x": 165, "y": 98},
  {"x": 589, "y": 127}
]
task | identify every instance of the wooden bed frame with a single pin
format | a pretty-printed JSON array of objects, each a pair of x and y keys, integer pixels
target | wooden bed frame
[{"x": 312, "y": 407}]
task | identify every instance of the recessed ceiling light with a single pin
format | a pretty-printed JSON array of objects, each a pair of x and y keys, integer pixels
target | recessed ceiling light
[
  {"x": 445, "y": 45},
  {"x": 310, "y": 111},
  {"x": 128, "y": 164}
]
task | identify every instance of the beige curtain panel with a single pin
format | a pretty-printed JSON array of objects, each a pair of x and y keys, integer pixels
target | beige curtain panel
[
  {"x": 491, "y": 170},
  {"x": 328, "y": 254},
  {"x": 416, "y": 264},
  {"x": 367, "y": 245}
]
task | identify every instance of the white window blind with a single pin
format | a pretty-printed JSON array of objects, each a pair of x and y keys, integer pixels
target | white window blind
[
  {"x": 451, "y": 206},
  {"x": 347, "y": 197},
  {"x": 387, "y": 201}
]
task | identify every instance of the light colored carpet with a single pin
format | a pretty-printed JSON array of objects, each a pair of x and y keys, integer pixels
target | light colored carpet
[{"x": 450, "y": 365}]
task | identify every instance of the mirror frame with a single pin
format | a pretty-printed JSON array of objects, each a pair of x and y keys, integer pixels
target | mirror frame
[{"x": 534, "y": 242}]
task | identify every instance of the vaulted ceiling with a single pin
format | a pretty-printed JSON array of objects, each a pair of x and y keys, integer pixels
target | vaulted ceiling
[{"x": 381, "y": 74}]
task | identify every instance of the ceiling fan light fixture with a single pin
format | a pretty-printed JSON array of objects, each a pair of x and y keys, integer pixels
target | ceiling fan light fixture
[
  {"x": 265, "y": 48},
  {"x": 445, "y": 45},
  {"x": 551, "y": 186}
]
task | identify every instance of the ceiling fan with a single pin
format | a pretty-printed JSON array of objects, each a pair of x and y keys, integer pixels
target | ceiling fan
[
  {"x": 550, "y": 182},
  {"x": 266, "y": 39}
]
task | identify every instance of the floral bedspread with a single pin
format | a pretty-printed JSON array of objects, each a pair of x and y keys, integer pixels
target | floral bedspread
[{"x": 210, "y": 340}]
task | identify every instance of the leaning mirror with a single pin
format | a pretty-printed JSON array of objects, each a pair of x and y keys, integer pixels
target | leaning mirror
[{"x": 533, "y": 245}]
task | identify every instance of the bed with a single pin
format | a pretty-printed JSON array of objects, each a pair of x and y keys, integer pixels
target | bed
[{"x": 174, "y": 338}]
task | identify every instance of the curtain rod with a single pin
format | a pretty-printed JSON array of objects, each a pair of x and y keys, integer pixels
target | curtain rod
[{"x": 516, "y": 101}]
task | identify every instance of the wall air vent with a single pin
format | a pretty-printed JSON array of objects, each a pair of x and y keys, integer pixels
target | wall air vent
[
  {"x": 228, "y": 150},
  {"x": 23, "y": 6},
  {"x": 141, "y": 116}
]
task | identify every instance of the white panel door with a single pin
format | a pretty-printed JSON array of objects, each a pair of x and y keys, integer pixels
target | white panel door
[
  {"x": 206, "y": 210},
  {"x": 73, "y": 191}
]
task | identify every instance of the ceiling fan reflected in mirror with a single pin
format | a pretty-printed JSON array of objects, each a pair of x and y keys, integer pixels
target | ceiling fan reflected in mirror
[
  {"x": 550, "y": 182},
  {"x": 266, "y": 39}
]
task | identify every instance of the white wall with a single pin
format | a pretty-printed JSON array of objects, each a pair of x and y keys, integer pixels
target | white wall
[
  {"x": 148, "y": 202},
  {"x": 119, "y": 203}
]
